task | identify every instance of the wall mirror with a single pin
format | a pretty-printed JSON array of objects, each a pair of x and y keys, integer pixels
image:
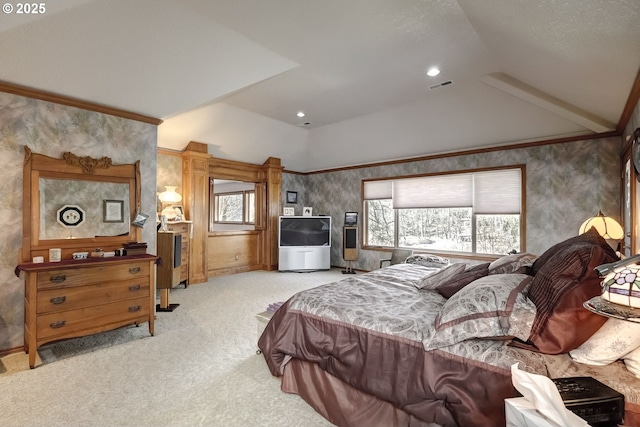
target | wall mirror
[{"x": 77, "y": 204}]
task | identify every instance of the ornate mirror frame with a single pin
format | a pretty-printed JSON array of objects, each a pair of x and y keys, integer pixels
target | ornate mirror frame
[{"x": 73, "y": 167}]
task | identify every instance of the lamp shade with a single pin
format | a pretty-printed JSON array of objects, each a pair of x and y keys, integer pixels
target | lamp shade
[
  {"x": 170, "y": 195},
  {"x": 607, "y": 227}
]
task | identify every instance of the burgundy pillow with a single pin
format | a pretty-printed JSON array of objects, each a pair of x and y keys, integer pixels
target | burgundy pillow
[
  {"x": 591, "y": 236},
  {"x": 462, "y": 279},
  {"x": 559, "y": 289}
]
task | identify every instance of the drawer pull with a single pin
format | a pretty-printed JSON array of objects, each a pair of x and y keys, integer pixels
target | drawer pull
[
  {"x": 134, "y": 288},
  {"x": 134, "y": 308},
  {"x": 58, "y": 324},
  {"x": 134, "y": 270},
  {"x": 58, "y": 279},
  {"x": 58, "y": 300}
]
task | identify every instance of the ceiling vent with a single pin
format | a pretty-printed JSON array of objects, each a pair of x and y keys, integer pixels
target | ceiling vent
[{"x": 443, "y": 84}]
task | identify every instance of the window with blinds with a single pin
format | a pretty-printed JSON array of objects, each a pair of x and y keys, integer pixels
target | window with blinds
[{"x": 476, "y": 211}]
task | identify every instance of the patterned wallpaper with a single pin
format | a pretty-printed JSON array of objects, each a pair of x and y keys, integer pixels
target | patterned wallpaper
[
  {"x": 169, "y": 173},
  {"x": 565, "y": 184},
  {"x": 52, "y": 129}
]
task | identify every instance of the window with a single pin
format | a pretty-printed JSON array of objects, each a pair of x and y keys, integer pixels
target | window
[
  {"x": 234, "y": 207},
  {"x": 473, "y": 212}
]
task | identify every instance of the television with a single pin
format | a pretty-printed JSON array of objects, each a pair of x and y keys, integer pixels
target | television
[{"x": 304, "y": 231}]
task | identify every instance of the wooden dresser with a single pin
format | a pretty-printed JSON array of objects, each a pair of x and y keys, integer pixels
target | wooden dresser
[
  {"x": 184, "y": 228},
  {"x": 75, "y": 298}
]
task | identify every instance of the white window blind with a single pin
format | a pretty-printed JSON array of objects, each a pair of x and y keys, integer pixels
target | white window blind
[
  {"x": 442, "y": 191},
  {"x": 488, "y": 192},
  {"x": 498, "y": 192},
  {"x": 374, "y": 190}
]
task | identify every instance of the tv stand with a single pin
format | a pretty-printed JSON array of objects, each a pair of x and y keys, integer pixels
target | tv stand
[{"x": 304, "y": 258}]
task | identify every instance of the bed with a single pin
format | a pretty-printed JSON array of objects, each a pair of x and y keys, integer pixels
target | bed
[{"x": 416, "y": 345}]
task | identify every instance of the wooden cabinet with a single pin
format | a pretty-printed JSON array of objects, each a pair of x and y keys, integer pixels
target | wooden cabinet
[
  {"x": 170, "y": 259},
  {"x": 184, "y": 229},
  {"x": 75, "y": 298}
]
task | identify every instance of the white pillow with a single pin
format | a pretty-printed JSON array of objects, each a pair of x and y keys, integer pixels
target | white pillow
[
  {"x": 632, "y": 362},
  {"x": 433, "y": 280},
  {"x": 615, "y": 339}
]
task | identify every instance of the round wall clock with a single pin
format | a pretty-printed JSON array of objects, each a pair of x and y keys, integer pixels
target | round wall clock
[{"x": 71, "y": 215}]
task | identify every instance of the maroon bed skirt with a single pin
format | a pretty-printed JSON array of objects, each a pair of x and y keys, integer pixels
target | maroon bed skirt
[{"x": 340, "y": 403}]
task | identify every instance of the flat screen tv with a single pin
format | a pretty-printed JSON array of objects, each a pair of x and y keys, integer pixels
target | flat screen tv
[{"x": 305, "y": 231}]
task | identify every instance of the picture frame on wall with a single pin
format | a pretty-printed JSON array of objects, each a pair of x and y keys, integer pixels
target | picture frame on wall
[
  {"x": 307, "y": 211},
  {"x": 113, "y": 211},
  {"x": 292, "y": 197},
  {"x": 288, "y": 212}
]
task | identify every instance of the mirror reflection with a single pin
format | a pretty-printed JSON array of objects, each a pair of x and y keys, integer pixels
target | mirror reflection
[{"x": 74, "y": 208}]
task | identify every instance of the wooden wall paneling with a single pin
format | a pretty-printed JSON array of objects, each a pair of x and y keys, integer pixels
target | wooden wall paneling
[
  {"x": 273, "y": 174},
  {"x": 195, "y": 186},
  {"x": 261, "y": 202},
  {"x": 235, "y": 171},
  {"x": 233, "y": 253}
]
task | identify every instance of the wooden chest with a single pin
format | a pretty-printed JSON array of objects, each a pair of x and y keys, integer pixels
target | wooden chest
[{"x": 76, "y": 298}]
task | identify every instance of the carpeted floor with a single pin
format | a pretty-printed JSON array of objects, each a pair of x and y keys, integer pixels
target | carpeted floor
[{"x": 200, "y": 368}]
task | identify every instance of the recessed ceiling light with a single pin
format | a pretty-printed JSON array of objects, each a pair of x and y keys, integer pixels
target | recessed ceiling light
[
  {"x": 300, "y": 114},
  {"x": 433, "y": 71}
]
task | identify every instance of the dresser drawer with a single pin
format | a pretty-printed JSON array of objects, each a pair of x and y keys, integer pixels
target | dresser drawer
[
  {"x": 72, "y": 297},
  {"x": 69, "y": 322},
  {"x": 97, "y": 274}
]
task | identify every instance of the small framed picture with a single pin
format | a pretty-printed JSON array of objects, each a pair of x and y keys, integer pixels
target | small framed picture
[
  {"x": 288, "y": 211},
  {"x": 140, "y": 219},
  {"x": 113, "y": 211},
  {"x": 307, "y": 211},
  {"x": 179, "y": 212},
  {"x": 292, "y": 197}
]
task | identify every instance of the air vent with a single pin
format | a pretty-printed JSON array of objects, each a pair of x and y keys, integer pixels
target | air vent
[
  {"x": 443, "y": 84},
  {"x": 304, "y": 124}
]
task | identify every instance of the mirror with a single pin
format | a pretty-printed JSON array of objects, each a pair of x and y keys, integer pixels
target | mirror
[
  {"x": 77, "y": 204},
  {"x": 104, "y": 205}
]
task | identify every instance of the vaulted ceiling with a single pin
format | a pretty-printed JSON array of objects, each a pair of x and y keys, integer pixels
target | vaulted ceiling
[{"x": 217, "y": 70}]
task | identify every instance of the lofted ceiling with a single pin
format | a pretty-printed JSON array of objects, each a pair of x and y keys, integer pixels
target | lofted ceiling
[{"x": 234, "y": 73}]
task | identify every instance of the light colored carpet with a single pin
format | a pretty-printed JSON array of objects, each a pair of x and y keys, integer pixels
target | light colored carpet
[{"x": 200, "y": 368}]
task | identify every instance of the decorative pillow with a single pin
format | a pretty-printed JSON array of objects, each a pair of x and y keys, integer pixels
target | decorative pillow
[
  {"x": 559, "y": 289},
  {"x": 615, "y": 339},
  {"x": 514, "y": 263},
  {"x": 449, "y": 287},
  {"x": 433, "y": 280},
  {"x": 591, "y": 236},
  {"x": 428, "y": 260},
  {"x": 489, "y": 307},
  {"x": 632, "y": 362}
]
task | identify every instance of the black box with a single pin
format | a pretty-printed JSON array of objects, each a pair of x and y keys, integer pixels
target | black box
[{"x": 596, "y": 403}]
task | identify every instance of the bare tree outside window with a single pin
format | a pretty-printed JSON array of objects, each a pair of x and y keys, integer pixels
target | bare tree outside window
[
  {"x": 229, "y": 207},
  {"x": 380, "y": 222}
]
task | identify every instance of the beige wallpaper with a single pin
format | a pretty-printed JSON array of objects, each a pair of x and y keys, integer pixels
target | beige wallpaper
[
  {"x": 52, "y": 129},
  {"x": 169, "y": 173}
]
